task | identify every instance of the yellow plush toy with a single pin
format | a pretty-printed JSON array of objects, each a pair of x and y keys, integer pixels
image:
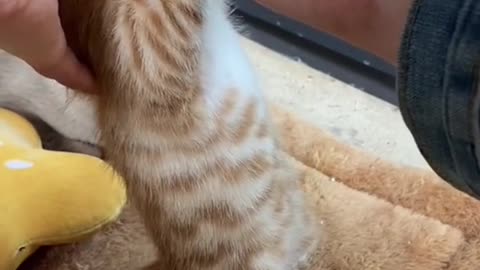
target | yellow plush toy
[{"x": 49, "y": 198}]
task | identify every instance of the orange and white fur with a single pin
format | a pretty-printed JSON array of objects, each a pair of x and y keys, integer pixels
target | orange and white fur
[{"x": 182, "y": 119}]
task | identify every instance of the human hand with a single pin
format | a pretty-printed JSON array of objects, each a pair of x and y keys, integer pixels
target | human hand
[{"x": 31, "y": 30}]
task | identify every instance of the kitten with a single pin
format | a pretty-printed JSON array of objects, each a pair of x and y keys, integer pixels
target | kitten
[{"x": 183, "y": 121}]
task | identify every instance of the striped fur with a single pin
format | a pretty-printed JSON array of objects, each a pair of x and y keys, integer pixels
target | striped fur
[{"x": 182, "y": 119}]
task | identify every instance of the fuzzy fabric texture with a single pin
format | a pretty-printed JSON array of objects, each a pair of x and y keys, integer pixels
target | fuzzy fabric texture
[
  {"x": 374, "y": 214},
  {"x": 400, "y": 205}
]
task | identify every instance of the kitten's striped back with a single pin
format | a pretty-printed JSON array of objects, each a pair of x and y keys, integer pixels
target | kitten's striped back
[{"x": 183, "y": 121}]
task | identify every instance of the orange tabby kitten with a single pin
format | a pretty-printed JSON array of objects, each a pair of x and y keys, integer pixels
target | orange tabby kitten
[{"x": 182, "y": 119}]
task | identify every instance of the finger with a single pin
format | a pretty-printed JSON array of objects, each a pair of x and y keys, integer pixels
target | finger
[{"x": 69, "y": 72}]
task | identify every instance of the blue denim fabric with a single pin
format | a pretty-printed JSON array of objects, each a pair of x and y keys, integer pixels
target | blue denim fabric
[{"x": 438, "y": 87}]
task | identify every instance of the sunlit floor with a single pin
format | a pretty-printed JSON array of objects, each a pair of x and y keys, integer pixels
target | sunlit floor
[{"x": 354, "y": 116}]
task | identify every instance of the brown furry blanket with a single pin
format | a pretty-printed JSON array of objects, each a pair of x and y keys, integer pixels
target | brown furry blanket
[{"x": 375, "y": 215}]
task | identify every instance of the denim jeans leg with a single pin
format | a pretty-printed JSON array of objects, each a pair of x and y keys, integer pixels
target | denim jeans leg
[{"x": 438, "y": 87}]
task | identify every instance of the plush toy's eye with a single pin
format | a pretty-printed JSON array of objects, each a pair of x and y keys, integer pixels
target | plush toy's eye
[{"x": 18, "y": 165}]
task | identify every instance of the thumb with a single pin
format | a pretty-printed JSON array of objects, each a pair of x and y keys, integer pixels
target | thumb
[{"x": 68, "y": 71}]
